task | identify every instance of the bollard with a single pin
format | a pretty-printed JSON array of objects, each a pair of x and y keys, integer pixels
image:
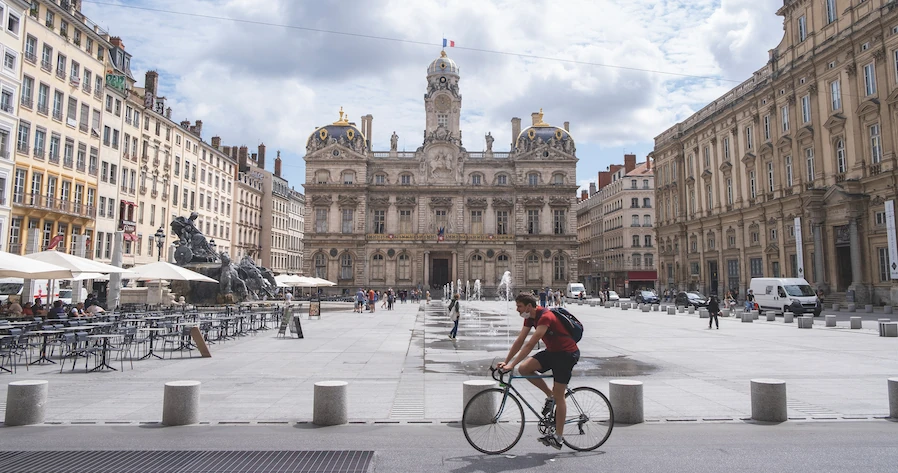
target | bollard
[
  {"x": 768, "y": 400},
  {"x": 181, "y": 403},
  {"x": 671, "y": 311},
  {"x": 26, "y": 402},
  {"x": 330, "y": 403},
  {"x": 724, "y": 312},
  {"x": 805, "y": 322},
  {"x": 755, "y": 314},
  {"x": 626, "y": 401},
  {"x": 893, "y": 398},
  {"x": 855, "y": 322},
  {"x": 682, "y": 310},
  {"x": 830, "y": 320},
  {"x": 852, "y": 307},
  {"x": 646, "y": 307},
  {"x": 868, "y": 308},
  {"x": 484, "y": 409},
  {"x": 836, "y": 306},
  {"x": 771, "y": 315},
  {"x": 887, "y": 309},
  {"x": 691, "y": 310},
  {"x": 704, "y": 314},
  {"x": 609, "y": 305},
  {"x": 888, "y": 329},
  {"x": 656, "y": 308},
  {"x": 788, "y": 317},
  {"x": 747, "y": 318}
]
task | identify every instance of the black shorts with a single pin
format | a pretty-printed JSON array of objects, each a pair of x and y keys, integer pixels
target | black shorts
[{"x": 560, "y": 362}]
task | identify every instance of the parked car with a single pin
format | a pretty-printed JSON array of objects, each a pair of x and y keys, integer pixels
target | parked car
[
  {"x": 691, "y": 298},
  {"x": 612, "y": 296},
  {"x": 647, "y": 297}
]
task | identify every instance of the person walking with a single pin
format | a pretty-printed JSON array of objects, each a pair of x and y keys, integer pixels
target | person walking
[
  {"x": 714, "y": 311},
  {"x": 372, "y": 298},
  {"x": 750, "y": 301},
  {"x": 359, "y": 301},
  {"x": 454, "y": 313}
]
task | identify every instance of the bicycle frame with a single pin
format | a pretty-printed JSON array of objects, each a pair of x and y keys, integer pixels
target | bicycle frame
[{"x": 507, "y": 387}]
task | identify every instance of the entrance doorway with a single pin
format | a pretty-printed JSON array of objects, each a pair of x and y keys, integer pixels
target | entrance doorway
[
  {"x": 843, "y": 262},
  {"x": 713, "y": 276},
  {"x": 439, "y": 272}
]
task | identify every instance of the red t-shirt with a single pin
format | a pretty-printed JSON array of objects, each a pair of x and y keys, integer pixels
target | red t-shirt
[{"x": 553, "y": 342}]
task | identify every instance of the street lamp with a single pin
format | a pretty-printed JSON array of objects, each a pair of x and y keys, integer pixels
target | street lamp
[{"x": 160, "y": 242}]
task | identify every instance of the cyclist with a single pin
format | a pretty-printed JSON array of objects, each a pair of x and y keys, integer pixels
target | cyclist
[{"x": 560, "y": 356}]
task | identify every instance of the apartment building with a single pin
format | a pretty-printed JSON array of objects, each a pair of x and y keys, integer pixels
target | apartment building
[
  {"x": 275, "y": 208},
  {"x": 54, "y": 196},
  {"x": 247, "y": 218},
  {"x": 296, "y": 216},
  {"x": 12, "y": 13},
  {"x": 215, "y": 188},
  {"x": 590, "y": 259}
]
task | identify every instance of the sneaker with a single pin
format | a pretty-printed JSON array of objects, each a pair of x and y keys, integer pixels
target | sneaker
[
  {"x": 551, "y": 441},
  {"x": 549, "y": 406}
]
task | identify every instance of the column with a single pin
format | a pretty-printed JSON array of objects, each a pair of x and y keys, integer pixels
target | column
[
  {"x": 817, "y": 229},
  {"x": 455, "y": 276},
  {"x": 426, "y": 270},
  {"x": 855, "y": 252}
]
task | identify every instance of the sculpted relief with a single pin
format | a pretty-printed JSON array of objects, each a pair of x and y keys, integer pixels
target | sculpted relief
[{"x": 443, "y": 167}]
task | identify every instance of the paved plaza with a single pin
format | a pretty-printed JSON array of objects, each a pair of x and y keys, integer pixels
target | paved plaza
[{"x": 402, "y": 367}]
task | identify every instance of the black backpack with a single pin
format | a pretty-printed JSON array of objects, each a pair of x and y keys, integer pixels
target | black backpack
[{"x": 573, "y": 326}]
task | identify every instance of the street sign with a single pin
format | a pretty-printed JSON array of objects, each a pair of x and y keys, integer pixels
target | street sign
[{"x": 893, "y": 244}]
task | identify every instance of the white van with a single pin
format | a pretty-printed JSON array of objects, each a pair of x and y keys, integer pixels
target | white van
[
  {"x": 574, "y": 289},
  {"x": 785, "y": 294}
]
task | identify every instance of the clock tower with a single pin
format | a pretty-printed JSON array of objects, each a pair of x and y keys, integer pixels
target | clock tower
[{"x": 442, "y": 102}]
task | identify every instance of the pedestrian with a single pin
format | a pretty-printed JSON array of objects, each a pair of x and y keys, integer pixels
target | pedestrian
[
  {"x": 542, "y": 298},
  {"x": 714, "y": 311},
  {"x": 750, "y": 301},
  {"x": 372, "y": 298},
  {"x": 359, "y": 301},
  {"x": 288, "y": 297},
  {"x": 454, "y": 312},
  {"x": 427, "y": 295},
  {"x": 391, "y": 298}
]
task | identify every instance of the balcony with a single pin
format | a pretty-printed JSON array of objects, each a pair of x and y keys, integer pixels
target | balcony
[
  {"x": 43, "y": 109},
  {"x": 131, "y": 190},
  {"x": 60, "y": 74},
  {"x": 86, "y": 88},
  {"x": 154, "y": 193},
  {"x": 54, "y": 158},
  {"x": 46, "y": 66},
  {"x": 57, "y": 115},
  {"x": 144, "y": 159},
  {"x": 67, "y": 163},
  {"x": 75, "y": 81},
  {"x": 80, "y": 167},
  {"x": 26, "y": 102},
  {"x": 43, "y": 202},
  {"x": 875, "y": 169},
  {"x": 143, "y": 190},
  {"x": 92, "y": 170}
]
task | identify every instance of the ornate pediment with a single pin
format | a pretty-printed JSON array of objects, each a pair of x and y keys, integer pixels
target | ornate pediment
[
  {"x": 690, "y": 180},
  {"x": 378, "y": 201},
  {"x": 748, "y": 159},
  {"x": 878, "y": 200},
  {"x": 347, "y": 200},
  {"x": 406, "y": 200},
  {"x": 476, "y": 202},
  {"x": 835, "y": 123},
  {"x": 322, "y": 200},
  {"x": 805, "y": 132},
  {"x": 868, "y": 107},
  {"x": 772, "y": 249},
  {"x": 533, "y": 201},
  {"x": 706, "y": 174},
  {"x": 441, "y": 201},
  {"x": 893, "y": 97},
  {"x": 785, "y": 141},
  {"x": 559, "y": 202},
  {"x": 726, "y": 167},
  {"x": 502, "y": 202}
]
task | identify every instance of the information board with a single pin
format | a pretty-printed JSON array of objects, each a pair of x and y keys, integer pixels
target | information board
[{"x": 315, "y": 309}]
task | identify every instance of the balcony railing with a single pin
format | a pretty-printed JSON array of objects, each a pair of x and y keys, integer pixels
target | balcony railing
[
  {"x": 38, "y": 154},
  {"x": 26, "y": 102},
  {"x": 143, "y": 190},
  {"x": 86, "y": 87},
  {"x": 54, "y": 158},
  {"x": 30, "y": 57},
  {"x": 83, "y": 127},
  {"x": 47, "y": 66},
  {"x": 22, "y": 147},
  {"x": 58, "y": 205},
  {"x": 92, "y": 170},
  {"x": 60, "y": 73},
  {"x": 43, "y": 109},
  {"x": 57, "y": 115},
  {"x": 98, "y": 93},
  {"x": 875, "y": 169},
  {"x": 6, "y": 107},
  {"x": 67, "y": 163},
  {"x": 80, "y": 167}
]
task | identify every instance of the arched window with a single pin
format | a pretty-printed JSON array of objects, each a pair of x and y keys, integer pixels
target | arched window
[
  {"x": 405, "y": 268},
  {"x": 346, "y": 266},
  {"x": 348, "y": 177},
  {"x": 501, "y": 266},
  {"x": 501, "y": 180},
  {"x": 477, "y": 267},
  {"x": 320, "y": 266},
  {"x": 533, "y": 179},
  {"x": 322, "y": 176},
  {"x": 476, "y": 179},
  {"x": 377, "y": 267},
  {"x": 559, "y": 268},
  {"x": 557, "y": 179},
  {"x": 405, "y": 179},
  {"x": 532, "y": 269},
  {"x": 637, "y": 260}
]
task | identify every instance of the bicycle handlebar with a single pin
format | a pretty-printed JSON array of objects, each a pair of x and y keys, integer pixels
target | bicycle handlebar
[{"x": 498, "y": 375}]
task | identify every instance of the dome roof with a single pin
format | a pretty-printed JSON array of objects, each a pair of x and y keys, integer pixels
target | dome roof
[
  {"x": 541, "y": 133},
  {"x": 442, "y": 65},
  {"x": 341, "y": 131}
]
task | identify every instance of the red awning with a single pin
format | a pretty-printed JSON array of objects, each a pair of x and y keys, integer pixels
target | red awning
[
  {"x": 642, "y": 275},
  {"x": 130, "y": 237},
  {"x": 128, "y": 202}
]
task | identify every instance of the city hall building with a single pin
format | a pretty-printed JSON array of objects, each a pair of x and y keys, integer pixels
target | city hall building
[{"x": 441, "y": 213}]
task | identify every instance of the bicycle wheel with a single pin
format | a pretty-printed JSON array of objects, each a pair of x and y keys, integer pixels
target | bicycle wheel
[
  {"x": 589, "y": 419},
  {"x": 493, "y": 422}
]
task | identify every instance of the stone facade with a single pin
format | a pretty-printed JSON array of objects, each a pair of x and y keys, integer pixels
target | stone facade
[
  {"x": 808, "y": 144},
  {"x": 422, "y": 218}
]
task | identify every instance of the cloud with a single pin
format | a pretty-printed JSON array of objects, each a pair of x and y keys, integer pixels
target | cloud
[{"x": 253, "y": 81}]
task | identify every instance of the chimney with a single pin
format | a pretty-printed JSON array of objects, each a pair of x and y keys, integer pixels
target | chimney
[
  {"x": 216, "y": 142},
  {"x": 151, "y": 82},
  {"x": 584, "y": 194},
  {"x": 604, "y": 179},
  {"x": 592, "y": 188},
  {"x": 648, "y": 163},
  {"x": 368, "y": 131},
  {"x": 199, "y": 129},
  {"x": 535, "y": 117},
  {"x": 515, "y": 130},
  {"x": 277, "y": 165},
  {"x": 567, "y": 127},
  {"x": 168, "y": 113},
  {"x": 629, "y": 163},
  {"x": 262, "y": 155},
  {"x": 242, "y": 154},
  {"x": 226, "y": 150},
  {"x": 185, "y": 124},
  {"x": 117, "y": 42}
]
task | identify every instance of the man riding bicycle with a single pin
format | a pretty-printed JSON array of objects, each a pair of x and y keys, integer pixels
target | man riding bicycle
[{"x": 560, "y": 356}]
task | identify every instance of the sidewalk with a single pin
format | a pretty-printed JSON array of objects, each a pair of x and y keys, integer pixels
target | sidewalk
[{"x": 402, "y": 367}]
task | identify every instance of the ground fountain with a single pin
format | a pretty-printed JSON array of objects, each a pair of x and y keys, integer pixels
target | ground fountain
[
  {"x": 477, "y": 289},
  {"x": 468, "y": 290}
]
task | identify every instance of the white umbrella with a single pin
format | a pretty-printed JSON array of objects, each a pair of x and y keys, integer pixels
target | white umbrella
[
  {"x": 286, "y": 280},
  {"x": 76, "y": 263},
  {"x": 319, "y": 282},
  {"x": 94, "y": 276},
  {"x": 164, "y": 270},
  {"x": 15, "y": 266}
]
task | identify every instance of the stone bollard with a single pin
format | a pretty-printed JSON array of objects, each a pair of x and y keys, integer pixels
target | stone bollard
[
  {"x": 788, "y": 317},
  {"x": 704, "y": 314},
  {"x": 181, "y": 403},
  {"x": 836, "y": 306},
  {"x": 830, "y": 320},
  {"x": 868, "y": 308},
  {"x": 656, "y": 308},
  {"x": 646, "y": 307},
  {"x": 888, "y": 329},
  {"x": 852, "y": 307},
  {"x": 724, "y": 312},
  {"x": 484, "y": 409},
  {"x": 768, "y": 400},
  {"x": 617, "y": 304},
  {"x": 682, "y": 310},
  {"x": 608, "y": 305},
  {"x": 755, "y": 314},
  {"x": 893, "y": 398},
  {"x": 887, "y": 309},
  {"x": 856, "y": 322},
  {"x": 625, "y": 306},
  {"x": 771, "y": 315},
  {"x": 592, "y": 303},
  {"x": 626, "y": 401},
  {"x": 691, "y": 310},
  {"x": 747, "y": 318},
  {"x": 26, "y": 402},
  {"x": 805, "y": 322},
  {"x": 330, "y": 403},
  {"x": 671, "y": 311}
]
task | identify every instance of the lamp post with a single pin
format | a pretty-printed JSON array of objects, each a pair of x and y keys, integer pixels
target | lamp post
[{"x": 160, "y": 242}]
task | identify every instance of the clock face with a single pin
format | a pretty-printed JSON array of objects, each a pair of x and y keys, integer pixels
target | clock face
[{"x": 443, "y": 102}]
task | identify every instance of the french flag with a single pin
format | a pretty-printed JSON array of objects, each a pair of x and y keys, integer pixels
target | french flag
[{"x": 448, "y": 43}]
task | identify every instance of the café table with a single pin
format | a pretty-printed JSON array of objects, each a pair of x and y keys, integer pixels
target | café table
[
  {"x": 153, "y": 334},
  {"x": 46, "y": 335},
  {"x": 104, "y": 350}
]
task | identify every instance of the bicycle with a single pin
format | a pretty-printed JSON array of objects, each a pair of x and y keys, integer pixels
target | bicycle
[{"x": 493, "y": 420}]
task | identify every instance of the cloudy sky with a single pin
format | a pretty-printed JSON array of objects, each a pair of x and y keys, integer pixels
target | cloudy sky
[{"x": 621, "y": 71}]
